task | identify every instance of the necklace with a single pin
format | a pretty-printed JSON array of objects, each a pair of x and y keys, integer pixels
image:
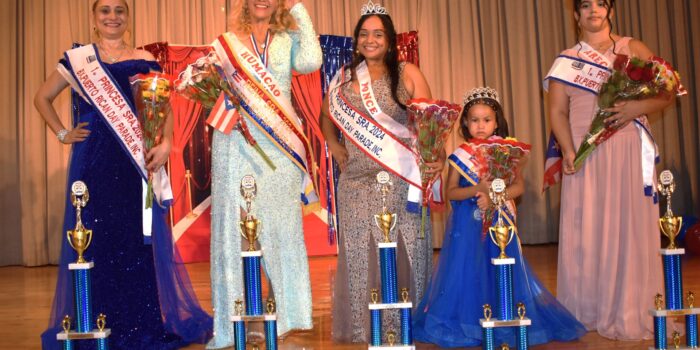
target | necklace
[
  {"x": 110, "y": 57},
  {"x": 602, "y": 45}
]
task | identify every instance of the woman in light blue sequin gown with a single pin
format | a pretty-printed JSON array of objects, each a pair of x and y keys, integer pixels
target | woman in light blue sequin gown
[{"x": 277, "y": 203}]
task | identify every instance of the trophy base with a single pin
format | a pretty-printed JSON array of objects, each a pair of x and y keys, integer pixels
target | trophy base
[
  {"x": 81, "y": 266},
  {"x": 251, "y": 253},
  {"x": 94, "y": 334},
  {"x": 494, "y": 323},
  {"x": 679, "y": 312},
  {"x": 387, "y": 245},
  {"x": 395, "y": 347},
  {"x": 676, "y": 251},
  {"x": 506, "y": 261},
  {"x": 254, "y": 318},
  {"x": 389, "y": 306}
]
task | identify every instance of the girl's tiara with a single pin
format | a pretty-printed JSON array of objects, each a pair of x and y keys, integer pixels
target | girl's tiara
[{"x": 481, "y": 93}]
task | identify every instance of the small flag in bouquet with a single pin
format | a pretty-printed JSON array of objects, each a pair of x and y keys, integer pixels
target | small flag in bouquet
[
  {"x": 500, "y": 159},
  {"x": 430, "y": 122},
  {"x": 152, "y": 96},
  {"x": 632, "y": 78},
  {"x": 204, "y": 81}
]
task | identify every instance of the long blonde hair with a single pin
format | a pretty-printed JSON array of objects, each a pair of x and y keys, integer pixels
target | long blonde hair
[{"x": 240, "y": 22}]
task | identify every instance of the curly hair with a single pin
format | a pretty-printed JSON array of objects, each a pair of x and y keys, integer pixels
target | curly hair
[{"x": 281, "y": 20}]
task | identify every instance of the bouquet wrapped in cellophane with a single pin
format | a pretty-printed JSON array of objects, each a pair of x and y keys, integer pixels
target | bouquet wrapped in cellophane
[
  {"x": 632, "y": 78},
  {"x": 204, "y": 81},
  {"x": 430, "y": 122},
  {"x": 500, "y": 158},
  {"x": 152, "y": 97}
]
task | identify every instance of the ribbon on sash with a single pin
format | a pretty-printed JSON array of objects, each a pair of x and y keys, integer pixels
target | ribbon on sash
[
  {"x": 377, "y": 134},
  {"x": 588, "y": 72},
  {"x": 262, "y": 102},
  {"x": 88, "y": 76},
  {"x": 465, "y": 162}
]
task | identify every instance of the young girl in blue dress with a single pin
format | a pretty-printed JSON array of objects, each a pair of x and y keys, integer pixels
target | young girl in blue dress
[{"x": 464, "y": 278}]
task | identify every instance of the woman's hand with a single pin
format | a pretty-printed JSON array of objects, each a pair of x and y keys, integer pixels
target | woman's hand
[
  {"x": 435, "y": 167},
  {"x": 340, "y": 154},
  {"x": 158, "y": 155},
  {"x": 483, "y": 201},
  {"x": 567, "y": 163},
  {"x": 624, "y": 113},
  {"x": 78, "y": 134}
]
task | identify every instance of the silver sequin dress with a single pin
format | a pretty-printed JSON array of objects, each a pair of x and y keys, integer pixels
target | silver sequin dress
[
  {"x": 277, "y": 204},
  {"x": 358, "y": 201}
]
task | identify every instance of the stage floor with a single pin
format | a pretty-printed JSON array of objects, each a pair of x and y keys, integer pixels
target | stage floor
[{"x": 26, "y": 296}]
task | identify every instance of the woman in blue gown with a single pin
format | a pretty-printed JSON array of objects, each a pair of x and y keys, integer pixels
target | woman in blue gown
[
  {"x": 465, "y": 279},
  {"x": 143, "y": 289}
]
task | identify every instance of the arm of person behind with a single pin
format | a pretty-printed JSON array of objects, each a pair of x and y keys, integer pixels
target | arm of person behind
[
  {"x": 43, "y": 101},
  {"x": 306, "y": 49},
  {"x": 558, "y": 107},
  {"x": 331, "y": 133}
]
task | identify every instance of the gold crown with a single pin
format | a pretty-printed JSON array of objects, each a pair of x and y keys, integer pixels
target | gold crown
[
  {"x": 371, "y": 9},
  {"x": 480, "y": 93}
]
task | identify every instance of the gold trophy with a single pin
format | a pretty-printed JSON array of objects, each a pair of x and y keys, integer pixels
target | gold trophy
[
  {"x": 80, "y": 237},
  {"x": 659, "y": 301},
  {"x": 500, "y": 234},
  {"x": 676, "y": 339},
  {"x": 374, "y": 295},
  {"x": 521, "y": 310},
  {"x": 249, "y": 225},
  {"x": 386, "y": 221},
  {"x": 65, "y": 324},
  {"x": 101, "y": 322},
  {"x": 239, "y": 307},
  {"x": 391, "y": 338},
  {"x": 404, "y": 295},
  {"x": 270, "y": 306},
  {"x": 670, "y": 225},
  {"x": 691, "y": 300},
  {"x": 487, "y": 312}
]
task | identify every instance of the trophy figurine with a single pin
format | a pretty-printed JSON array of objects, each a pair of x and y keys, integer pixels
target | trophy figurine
[
  {"x": 80, "y": 237},
  {"x": 386, "y": 221},
  {"x": 670, "y": 225},
  {"x": 500, "y": 234},
  {"x": 249, "y": 224}
]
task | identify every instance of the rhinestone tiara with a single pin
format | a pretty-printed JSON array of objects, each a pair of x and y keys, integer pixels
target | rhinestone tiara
[
  {"x": 481, "y": 92},
  {"x": 371, "y": 9}
]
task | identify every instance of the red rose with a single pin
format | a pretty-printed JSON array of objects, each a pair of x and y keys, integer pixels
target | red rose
[
  {"x": 620, "y": 62},
  {"x": 635, "y": 73},
  {"x": 647, "y": 74}
]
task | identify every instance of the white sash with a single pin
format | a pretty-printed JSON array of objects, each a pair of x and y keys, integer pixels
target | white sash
[
  {"x": 93, "y": 82},
  {"x": 373, "y": 138},
  {"x": 263, "y": 103},
  {"x": 370, "y": 102}
]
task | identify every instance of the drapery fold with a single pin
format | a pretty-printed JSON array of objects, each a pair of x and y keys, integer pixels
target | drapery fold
[{"x": 505, "y": 44}]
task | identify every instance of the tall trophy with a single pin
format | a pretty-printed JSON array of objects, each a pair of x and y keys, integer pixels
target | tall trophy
[
  {"x": 79, "y": 239},
  {"x": 249, "y": 227},
  {"x": 501, "y": 235},
  {"x": 673, "y": 278},
  {"x": 386, "y": 222}
]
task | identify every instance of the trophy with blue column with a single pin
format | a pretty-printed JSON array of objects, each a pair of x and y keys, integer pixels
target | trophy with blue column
[
  {"x": 673, "y": 279},
  {"x": 250, "y": 230},
  {"x": 386, "y": 221},
  {"x": 79, "y": 239},
  {"x": 501, "y": 235}
]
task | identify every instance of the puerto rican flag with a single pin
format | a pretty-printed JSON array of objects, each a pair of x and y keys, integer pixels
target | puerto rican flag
[
  {"x": 552, "y": 164},
  {"x": 224, "y": 116}
]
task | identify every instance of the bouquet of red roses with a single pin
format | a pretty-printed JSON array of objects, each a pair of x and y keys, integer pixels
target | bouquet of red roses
[
  {"x": 429, "y": 122},
  {"x": 499, "y": 158},
  {"x": 152, "y": 97},
  {"x": 632, "y": 78},
  {"x": 203, "y": 81}
]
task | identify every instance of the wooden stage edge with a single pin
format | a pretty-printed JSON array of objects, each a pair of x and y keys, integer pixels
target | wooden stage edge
[{"x": 26, "y": 295}]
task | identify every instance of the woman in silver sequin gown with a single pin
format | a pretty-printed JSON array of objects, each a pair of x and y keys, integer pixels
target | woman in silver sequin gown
[
  {"x": 278, "y": 203},
  {"x": 357, "y": 195}
]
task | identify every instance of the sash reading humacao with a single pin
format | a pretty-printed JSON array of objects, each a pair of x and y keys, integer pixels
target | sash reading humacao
[
  {"x": 263, "y": 103},
  {"x": 374, "y": 139},
  {"x": 92, "y": 81},
  {"x": 467, "y": 165}
]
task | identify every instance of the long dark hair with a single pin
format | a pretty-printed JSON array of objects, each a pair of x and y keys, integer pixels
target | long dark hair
[
  {"x": 391, "y": 59},
  {"x": 501, "y": 123},
  {"x": 609, "y": 5}
]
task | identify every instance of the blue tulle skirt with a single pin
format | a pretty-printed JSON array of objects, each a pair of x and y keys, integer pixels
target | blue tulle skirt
[{"x": 465, "y": 280}]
